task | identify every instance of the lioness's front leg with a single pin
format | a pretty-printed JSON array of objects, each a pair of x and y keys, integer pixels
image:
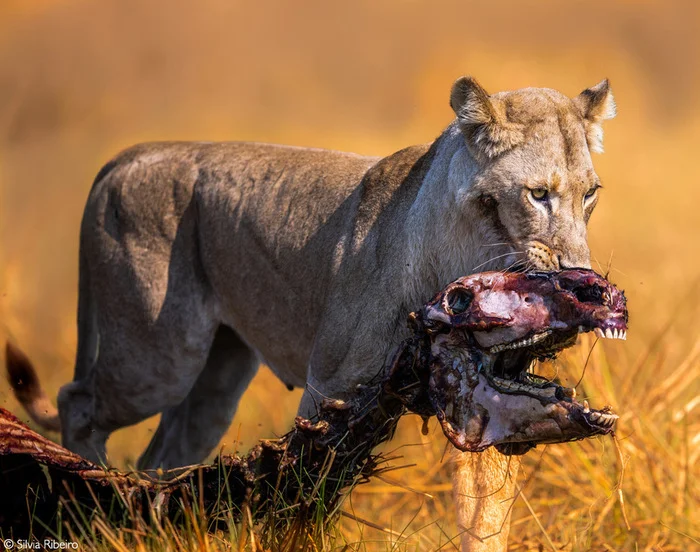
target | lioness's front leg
[
  {"x": 484, "y": 489},
  {"x": 360, "y": 328}
]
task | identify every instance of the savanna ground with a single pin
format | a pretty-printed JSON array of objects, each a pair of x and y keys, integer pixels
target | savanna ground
[{"x": 80, "y": 80}]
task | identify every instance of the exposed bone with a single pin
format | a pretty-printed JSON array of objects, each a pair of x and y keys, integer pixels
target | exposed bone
[{"x": 520, "y": 344}]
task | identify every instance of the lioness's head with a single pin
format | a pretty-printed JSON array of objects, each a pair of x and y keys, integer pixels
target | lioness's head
[{"x": 535, "y": 180}]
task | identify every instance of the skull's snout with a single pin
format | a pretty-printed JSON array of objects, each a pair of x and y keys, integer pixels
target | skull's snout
[{"x": 602, "y": 306}]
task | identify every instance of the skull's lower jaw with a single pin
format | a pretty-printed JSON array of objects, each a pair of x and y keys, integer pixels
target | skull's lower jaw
[
  {"x": 490, "y": 417},
  {"x": 492, "y": 398}
]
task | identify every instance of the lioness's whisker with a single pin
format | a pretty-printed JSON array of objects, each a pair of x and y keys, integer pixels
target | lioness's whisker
[
  {"x": 519, "y": 268},
  {"x": 477, "y": 267},
  {"x": 494, "y": 244}
]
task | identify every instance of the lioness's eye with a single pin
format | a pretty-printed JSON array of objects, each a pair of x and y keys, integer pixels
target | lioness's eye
[
  {"x": 590, "y": 193},
  {"x": 540, "y": 194}
]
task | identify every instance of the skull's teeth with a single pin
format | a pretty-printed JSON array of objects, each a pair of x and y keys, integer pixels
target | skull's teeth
[
  {"x": 546, "y": 392},
  {"x": 602, "y": 418},
  {"x": 520, "y": 344},
  {"x": 609, "y": 333}
]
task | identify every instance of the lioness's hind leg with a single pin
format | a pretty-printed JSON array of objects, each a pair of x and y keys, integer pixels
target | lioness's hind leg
[
  {"x": 129, "y": 383},
  {"x": 188, "y": 432},
  {"x": 144, "y": 367}
]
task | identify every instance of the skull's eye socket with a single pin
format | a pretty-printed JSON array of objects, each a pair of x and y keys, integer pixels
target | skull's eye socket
[
  {"x": 458, "y": 300},
  {"x": 589, "y": 294}
]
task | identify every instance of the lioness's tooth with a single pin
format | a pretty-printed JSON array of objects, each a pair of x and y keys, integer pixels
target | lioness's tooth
[
  {"x": 608, "y": 333},
  {"x": 595, "y": 416},
  {"x": 599, "y": 332},
  {"x": 624, "y": 335},
  {"x": 614, "y": 332},
  {"x": 586, "y": 408}
]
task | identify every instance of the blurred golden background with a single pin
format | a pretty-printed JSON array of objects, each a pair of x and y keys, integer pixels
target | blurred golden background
[{"x": 80, "y": 80}]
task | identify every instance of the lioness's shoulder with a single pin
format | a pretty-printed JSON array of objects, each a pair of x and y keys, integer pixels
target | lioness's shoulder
[{"x": 393, "y": 181}]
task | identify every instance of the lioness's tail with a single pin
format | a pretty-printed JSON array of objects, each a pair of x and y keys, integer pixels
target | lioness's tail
[{"x": 26, "y": 387}]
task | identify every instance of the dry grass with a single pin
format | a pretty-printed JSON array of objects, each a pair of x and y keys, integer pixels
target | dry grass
[{"x": 79, "y": 80}]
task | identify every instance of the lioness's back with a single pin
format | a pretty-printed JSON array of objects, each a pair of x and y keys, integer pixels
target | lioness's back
[{"x": 255, "y": 218}]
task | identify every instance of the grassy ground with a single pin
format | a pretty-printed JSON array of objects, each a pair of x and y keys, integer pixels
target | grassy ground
[
  {"x": 636, "y": 491},
  {"x": 80, "y": 80}
]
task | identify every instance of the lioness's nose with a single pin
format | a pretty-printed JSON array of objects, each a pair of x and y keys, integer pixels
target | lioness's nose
[{"x": 582, "y": 262}]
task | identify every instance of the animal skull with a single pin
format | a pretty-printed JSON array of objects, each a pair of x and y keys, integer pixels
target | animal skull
[{"x": 485, "y": 331}]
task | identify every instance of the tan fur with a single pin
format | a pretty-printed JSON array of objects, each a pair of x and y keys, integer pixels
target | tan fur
[
  {"x": 199, "y": 260},
  {"x": 484, "y": 490}
]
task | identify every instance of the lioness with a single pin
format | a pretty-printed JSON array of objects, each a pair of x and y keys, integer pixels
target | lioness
[{"x": 200, "y": 260}]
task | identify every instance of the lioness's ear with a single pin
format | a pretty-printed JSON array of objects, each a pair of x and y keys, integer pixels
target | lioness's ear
[
  {"x": 483, "y": 120},
  {"x": 597, "y": 105}
]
